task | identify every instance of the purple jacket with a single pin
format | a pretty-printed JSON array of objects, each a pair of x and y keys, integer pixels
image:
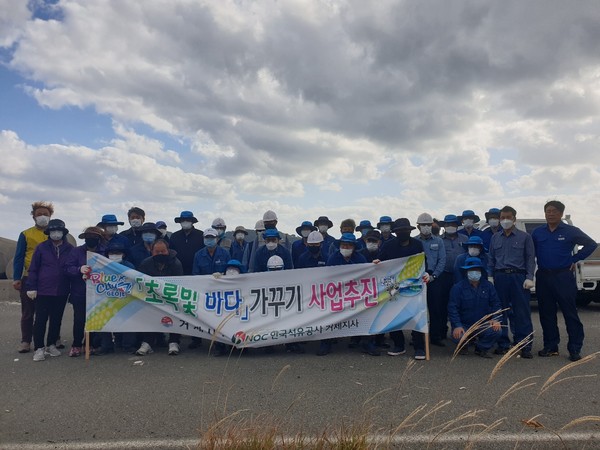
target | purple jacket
[
  {"x": 76, "y": 259},
  {"x": 46, "y": 271}
]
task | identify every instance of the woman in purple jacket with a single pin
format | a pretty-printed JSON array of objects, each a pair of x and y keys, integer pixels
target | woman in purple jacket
[{"x": 48, "y": 286}]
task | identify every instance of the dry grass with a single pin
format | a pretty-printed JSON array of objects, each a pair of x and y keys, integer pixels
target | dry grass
[
  {"x": 475, "y": 330},
  {"x": 512, "y": 352}
]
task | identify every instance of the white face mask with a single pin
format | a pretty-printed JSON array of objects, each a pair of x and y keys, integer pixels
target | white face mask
[
  {"x": 494, "y": 223},
  {"x": 305, "y": 233},
  {"x": 473, "y": 251},
  {"x": 385, "y": 228},
  {"x": 135, "y": 223},
  {"x": 163, "y": 232},
  {"x": 346, "y": 252},
  {"x": 111, "y": 229},
  {"x": 323, "y": 228},
  {"x": 186, "y": 225},
  {"x": 468, "y": 223},
  {"x": 450, "y": 230},
  {"x": 56, "y": 235},
  {"x": 42, "y": 221},
  {"x": 507, "y": 224},
  {"x": 116, "y": 257},
  {"x": 271, "y": 246},
  {"x": 372, "y": 246},
  {"x": 425, "y": 230},
  {"x": 474, "y": 275},
  {"x": 240, "y": 236},
  {"x": 232, "y": 271}
]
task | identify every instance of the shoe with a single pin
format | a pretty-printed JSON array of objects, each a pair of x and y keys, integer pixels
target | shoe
[
  {"x": 574, "y": 356},
  {"x": 419, "y": 355},
  {"x": 526, "y": 354},
  {"x": 24, "y": 347},
  {"x": 144, "y": 349},
  {"x": 371, "y": 349},
  {"x": 397, "y": 351},
  {"x": 173, "y": 348},
  {"x": 547, "y": 352},
  {"x": 75, "y": 352},
  {"x": 437, "y": 343},
  {"x": 52, "y": 351},
  {"x": 324, "y": 349},
  {"x": 39, "y": 355},
  {"x": 482, "y": 353},
  {"x": 59, "y": 344},
  {"x": 500, "y": 351}
]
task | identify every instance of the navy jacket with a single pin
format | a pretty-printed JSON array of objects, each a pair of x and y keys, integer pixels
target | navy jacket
[
  {"x": 47, "y": 273},
  {"x": 307, "y": 260},
  {"x": 205, "y": 264},
  {"x": 262, "y": 255},
  {"x": 467, "y": 304},
  {"x": 338, "y": 260},
  {"x": 186, "y": 246}
]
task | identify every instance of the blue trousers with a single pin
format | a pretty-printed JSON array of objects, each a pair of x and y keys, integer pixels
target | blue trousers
[
  {"x": 485, "y": 340},
  {"x": 554, "y": 289},
  {"x": 512, "y": 295}
]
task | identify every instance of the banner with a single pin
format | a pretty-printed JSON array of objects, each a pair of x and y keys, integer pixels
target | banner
[{"x": 259, "y": 309}]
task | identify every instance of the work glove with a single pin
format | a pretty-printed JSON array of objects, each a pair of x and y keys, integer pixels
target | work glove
[
  {"x": 32, "y": 294},
  {"x": 217, "y": 275},
  {"x": 528, "y": 284}
]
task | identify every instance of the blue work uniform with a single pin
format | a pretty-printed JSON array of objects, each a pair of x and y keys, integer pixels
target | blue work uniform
[
  {"x": 486, "y": 236},
  {"x": 205, "y": 264},
  {"x": 298, "y": 248},
  {"x": 262, "y": 255},
  {"x": 307, "y": 259},
  {"x": 454, "y": 248},
  {"x": 338, "y": 260},
  {"x": 237, "y": 249},
  {"x": 435, "y": 255}
]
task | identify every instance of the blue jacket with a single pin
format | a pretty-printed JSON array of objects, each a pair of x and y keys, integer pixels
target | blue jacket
[
  {"x": 453, "y": 248},
  {"x": 554, "y": 249},
  {"x": 474, "y": 232},
  {"x": 137, "y": 253},
  {"x": 486, "y": 236},
  {"x": 236, "y": 251},
  {"x": 262, "y": 255},
  {"x": 467, "y": 304},
  {"x": 435, "y": 252},
  {"x": 298, "y": 248},
  {"x": 335, "y": 246},
  {"x": 307, "y": 260},
  {"x": 368, "y": 255},
  {"x": 338, "y": 260},
  {"x": 77, "y": 258},
  {"x": 459, "y": 274},
  {"x": 204, "y": 264},
  {"x": 47, "y": 269}
]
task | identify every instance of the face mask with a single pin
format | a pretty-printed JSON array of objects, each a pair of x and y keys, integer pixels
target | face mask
[
  {"x": 305, "y": 233},
  {"x": 92, "y": 242},
  {"x": 186, "y": 225},
  {"x": 323, "y": 228},
  {"x": 474, "y": 275},
  {"x": 425, "y": 230},
  {"x": 42, "y": 221},
  {"x": 385, "y": 228},
  {"x": 116, "y": 257},
  {"x": 111, "y": 229},
  {"x": 507, "y": 224},
  {"x": 473, "y": 251},
  {"x": 163, "y": 233},
  {"x": 468, "y": 223},
  {"x": 372, "y": 246},
  {"x": 403, "y": 236},
  {"x": 210, "y": 242},
  {"x": 148, "y": 238},
  {"x": 494, "y": 223},
  {"x": 271, "y": 246},
  {"x": 232, "y": 272},
  {"x": 220, "y": 231},
  {"x": 161, "y": 259},
  {"x": 56, "y": 235},
  {"x": 135, "y": 223},
  {"x": 314, "y": 250},
  {"x": 240, "y": 236},
  {"x": 346, "y": 252},
  {"x": 365, "y": 231},
  {"x": 450, "y": 230}
]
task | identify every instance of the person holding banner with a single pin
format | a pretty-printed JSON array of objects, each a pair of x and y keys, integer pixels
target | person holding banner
[{"x": 272, "y": 247}]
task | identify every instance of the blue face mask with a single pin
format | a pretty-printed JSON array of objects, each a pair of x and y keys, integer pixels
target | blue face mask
[
  {"x": 148, "y": 238},
  {"x": 210, "y": 242},
  {"x": 474, "y": 275}
]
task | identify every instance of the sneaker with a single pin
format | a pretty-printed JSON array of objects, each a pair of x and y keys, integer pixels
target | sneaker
[
  {"x": 526, "y": 354},
  {"x": 24, "y": 347},
  {"x": 371, "y": 349},
  {"x": 324, "y": 349},
  {"x": 52, "y": 351},
  {"x": 500, "y": 351},
  {"x": 75, "y": 352},
  {"x": 173, "y": 348},
  {"x": 482, "y": 353},
  {"x": 144, "y": 349},
  {"x": 39, "y": 355},
  {"x": 59, "y": 343},
  {"x": 545, "y": 352},
  {"x": 397, "y": 351},
  {"x": 419, "y": 355},
  {"x": 574, "y": 356}
]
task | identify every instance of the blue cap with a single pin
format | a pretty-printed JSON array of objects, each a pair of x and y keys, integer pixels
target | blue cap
[
  {"x": 161, "y": 224},
  {"x": 473, "y": 240},
  {"x": 271, "y": 232},
  {"x": 307, "y": 224},
  {"x": 349, "y": 238},
  {"x": 364, "y": 224},
  {"x": 473, "y": 262},
  {"x": 449, "y": 218},
  {"x": 186, "y": 216},
  {"x": 468, "y": 213},
  {"x": 384, "y": 220},
  {"x": 494, "y": 211},
  {"x": 110, "y": 219},
  {"x": 235, "y": 263}
]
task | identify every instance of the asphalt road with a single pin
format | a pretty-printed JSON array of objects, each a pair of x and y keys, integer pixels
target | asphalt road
[{"x": 114, "y": 401}]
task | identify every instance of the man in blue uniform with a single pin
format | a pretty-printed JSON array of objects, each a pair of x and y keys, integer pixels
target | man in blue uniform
[
  {"x": 468, "y": 220},
  {"x": 272, "y": 247},
  {"x": 313, "y": 256},
  {"x": 555, "y": 282}
]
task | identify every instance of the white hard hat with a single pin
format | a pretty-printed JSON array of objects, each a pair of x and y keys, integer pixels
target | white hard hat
[
  {"x": 315, "y": 237},
  {"x": 210, "y": 232},
  {"x": 260, "y": 226},
  {"x": 275, "y": 262},
  {"x": 424, "y": 218},
  {"x": 218, "y": 222},
  {"x": 269, "y": 216}
]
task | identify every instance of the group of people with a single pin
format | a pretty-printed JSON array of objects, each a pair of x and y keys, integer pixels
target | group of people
[{"x": 471, "y": 273}]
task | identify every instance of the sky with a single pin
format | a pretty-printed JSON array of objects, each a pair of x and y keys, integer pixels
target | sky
[{"x": 350, "y": 109}]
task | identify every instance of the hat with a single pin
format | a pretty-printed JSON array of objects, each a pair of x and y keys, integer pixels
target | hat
[
  {"x": 54, "y": 225},
  {"x": 235, "y": 263},
  {"x": 449, "y": 218},
  {"x": 348, "y": 238},
  {"x": 161, "y": 224},
  {"x": 473, "y": 262},
  {"x": 373, "y": 234},
  {"x": 494, "y": 211},
  {"x": 473, "y": 240},
  {"x": 424, "y": 218},
  {"x": 218, "y": 223},
  {"x": 259, "y": 226},
  {"x": 275, "y": 262},
  {"x": 384, "y": 220},
  {"x": 402, "y": 224},
  {"x": 467, "y": 213},
  {"x": 271, "y": 232},
  {"x": 150, "y": 227},
  {"x": 92, "y": 230},
  {"x": 314, "y": 238},
  {"x": 186, "y": 216},
  {"x": 306, "y": 224},
  {"x": 323, "y": 220},
  {"x": 110, "y": 219},
  {"x": 269, "y": 216},
  {"x": 241, "y": 229},
  {"x": 115, "y": 247},
  {"x": 210, "y": 232},
  {"x": 364, "y": 224}
]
